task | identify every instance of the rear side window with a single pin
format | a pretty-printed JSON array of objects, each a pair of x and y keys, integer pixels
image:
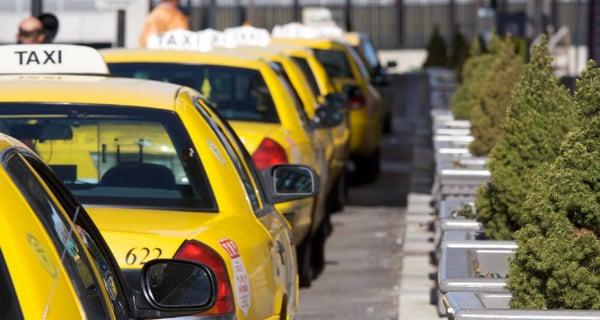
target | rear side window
[
  {"x": 307, "y": 71},
  {"x": 73, "y": 257},
  {"x": 237, "y": 162},
  {"x": 335, "y": 62},
  {"x": 237, "y": 93},
  {"x": 287, "y": 84},
  {"x": 118, "y": 156},
  {"x": 9, "y": 305}
]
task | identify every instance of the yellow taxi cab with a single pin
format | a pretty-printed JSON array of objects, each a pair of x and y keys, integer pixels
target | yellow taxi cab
[
  {"x": 54, "y": 264},
  {"x": 257, "y": 100},
  {"x": 325, "y": 90},
  {"x": 314, "y": 88},
  {"x": 161, "y": 175},
  {"x": 361, "y": 42},
  {"x": 364, "y": 103}
]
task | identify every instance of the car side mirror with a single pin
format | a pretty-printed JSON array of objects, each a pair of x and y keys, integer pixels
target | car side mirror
[
  {"x": 176, "y": 288},
  {"x": 288, "y": 182},
  {"x": 327, "y": 116},
  {"x": 336, "y": 101}
]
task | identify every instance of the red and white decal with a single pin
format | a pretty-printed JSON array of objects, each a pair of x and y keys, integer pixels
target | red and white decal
[{"x": 240, "y": 275}]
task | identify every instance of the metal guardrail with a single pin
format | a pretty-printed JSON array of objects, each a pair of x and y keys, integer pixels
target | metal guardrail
[
  {"x": 458, "y": 183},
  {"x": 466, "y": 163},
  {"x": 479, "y": 265},
  {"x": 485, "y": 306}
]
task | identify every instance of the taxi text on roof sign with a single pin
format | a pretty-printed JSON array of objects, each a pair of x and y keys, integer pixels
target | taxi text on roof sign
[
  {"x": 50, "y": 59},
  {"x": 207, "y": 39},
  {"x": 188, "y": 40},
  {"x": 298, "y": 30}
]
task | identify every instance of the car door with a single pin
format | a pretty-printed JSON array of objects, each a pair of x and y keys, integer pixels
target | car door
[
  {"x": 282, "y": 252},
  {"x": 95, "y": 257}
]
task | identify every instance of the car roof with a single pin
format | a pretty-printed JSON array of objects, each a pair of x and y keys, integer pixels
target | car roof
[
  {"x": 217, "y": 56},
  {"x": 310, "y": 42},
  {"x": 353, "y": 38},
  {"x": 88, "y": 89}
]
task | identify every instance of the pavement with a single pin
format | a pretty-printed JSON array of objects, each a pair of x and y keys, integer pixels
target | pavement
[{"x": 378, "y": 263}]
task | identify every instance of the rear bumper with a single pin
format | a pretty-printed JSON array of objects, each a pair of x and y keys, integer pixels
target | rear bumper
[{"x": 365, "y": 132}]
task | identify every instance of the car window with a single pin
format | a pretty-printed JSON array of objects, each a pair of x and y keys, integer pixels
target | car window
[
  {"x": 73, "y": 257},
  {"x": 307, "y": 71},
  {"x": 358, "y": 61},
  {"x": 233, "y": 155},
  {"x": 106, "y": 266},
  {"x": 9, "y": 305},
  {"x": 237, "y": 93},
  {"x": 123, "y": 156},
  {"x": 292, "y": 93},
  {"x": 335, "y": 62},
  {"x": 369, "y": 53}
]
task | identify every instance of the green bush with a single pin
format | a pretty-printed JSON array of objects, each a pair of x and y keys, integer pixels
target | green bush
[
  {"x": 493, "y": 95},
  {"x": 437, "y": 52},
  {"x": 557, "y": 264},
  {"x": 539, "y": 115},
  {"x": 473, "y": 72}
]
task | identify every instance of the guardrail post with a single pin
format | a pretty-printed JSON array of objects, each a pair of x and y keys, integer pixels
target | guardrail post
[
  {"x": 120, "y": 28},
  {"x": 400, "y": 22},
  {"x": 348, "y": 15},
  {"x": 36, "y": 7}
]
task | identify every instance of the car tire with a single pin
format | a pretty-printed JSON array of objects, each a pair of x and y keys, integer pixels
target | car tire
[
  {"x": 338, "y": 196},
  {"x": 318, "y": 248},
  {"x": 388, "y": 126},
  {"x": 367, "y": 168},
  {"x": 304, "y": 256}
]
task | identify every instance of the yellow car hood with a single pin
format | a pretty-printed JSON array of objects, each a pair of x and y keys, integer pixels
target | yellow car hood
[{"x": 253, "y": 133}]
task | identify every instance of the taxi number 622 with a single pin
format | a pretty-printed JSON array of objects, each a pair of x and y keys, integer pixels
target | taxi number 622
[{"x": 142, "y": 255}]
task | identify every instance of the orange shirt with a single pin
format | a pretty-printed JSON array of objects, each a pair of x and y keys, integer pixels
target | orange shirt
[{"x": 164, "y": 17}]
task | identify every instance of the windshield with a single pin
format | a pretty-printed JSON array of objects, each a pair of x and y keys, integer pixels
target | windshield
[
  {"x": 122, "y": 156},
  {"x": 335, "y": 62},
  {"x": 237, "y": 93}
]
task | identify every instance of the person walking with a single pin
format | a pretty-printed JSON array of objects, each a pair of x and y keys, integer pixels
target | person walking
[
  {"x": 31, "y": 31},
  {"x": 164, "y": 17}
]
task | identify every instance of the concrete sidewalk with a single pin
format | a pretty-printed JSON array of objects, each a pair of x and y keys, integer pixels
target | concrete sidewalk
[{"x": 415, "y": 281}]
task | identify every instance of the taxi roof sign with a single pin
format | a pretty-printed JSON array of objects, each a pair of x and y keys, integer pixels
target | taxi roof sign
[
  {"x": 248, "y": 36},
  {"x": 51, "y": 59},
  {"x": 298, "y": 30},
  {"x": 187, "y": 40},
  {"x": 208, "y": 39}
]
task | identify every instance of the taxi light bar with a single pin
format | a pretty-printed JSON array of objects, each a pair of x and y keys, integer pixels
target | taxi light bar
[
  {"x": 299, "y": 30},
  {"x": 249, "y": 36},
  {"x": 187, "y": 40},
  {"x": 51, "y": 59},
  {"x": 207, "y": 39}
]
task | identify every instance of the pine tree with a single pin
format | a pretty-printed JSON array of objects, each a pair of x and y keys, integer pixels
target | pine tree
[
  {"x": 473, "y": 72},
  {"x": 459, "y": 52},
  {"x": 557, "y": 264},
  {"x": 489, "y": 112},
  {"x": 437, "y": 51},
  {"x": 539, "y": 115}
]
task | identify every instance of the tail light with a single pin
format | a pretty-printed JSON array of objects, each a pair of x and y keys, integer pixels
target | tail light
[
  {"x": 196, "y": 251},
  {"x": 356, "y": 100},
  {"x": 268, "y": 154}
]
